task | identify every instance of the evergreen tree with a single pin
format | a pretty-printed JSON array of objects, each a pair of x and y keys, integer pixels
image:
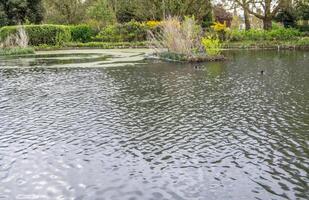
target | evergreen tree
[{"x": 14, "y": 12}]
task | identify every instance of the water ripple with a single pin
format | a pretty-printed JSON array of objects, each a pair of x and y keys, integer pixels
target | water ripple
[{"x": 157, "y": 130}]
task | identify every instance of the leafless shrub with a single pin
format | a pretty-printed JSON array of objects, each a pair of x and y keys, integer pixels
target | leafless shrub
[
  {"x": 20, "y": 39},
  {"x": 176, "y": 36}
]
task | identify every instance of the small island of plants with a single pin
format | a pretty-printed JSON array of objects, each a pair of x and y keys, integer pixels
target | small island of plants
[{"x": 176, "y": 40}]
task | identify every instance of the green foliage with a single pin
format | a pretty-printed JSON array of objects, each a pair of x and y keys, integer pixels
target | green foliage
[
  {"x": 82, "y": 33},
  {"x": 65, "y": 11},
  {"x": 13, "y": 12},
  {"x": 261, "y": 35},
  {"x": 287, "y": 16},
  {"x": 303, "y": 42},
  {"x": 302, "y": 10},
  {"x": 303, "y": 28},
  {"x": 128, "y": 32},
  {"x": 16, "y": 51},
  {"x": 107, "y": 45},
  {"x": 101, "y": 11},
  {"x": 212, "y": 46},
  {"x": 300, "y": 43},
  {"x": 40, "y": 34}
]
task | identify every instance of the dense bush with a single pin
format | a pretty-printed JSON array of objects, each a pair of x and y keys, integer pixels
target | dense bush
[
  {"x": 129, "y": 32},
  {"x": 82, "y": 33},
  {"x": 40, "y": 34},
  {"x": 261, "y": 35},
  {"x": 212, "y": 46},
  {"x": 304, "y": 29},
  {"x": 107, "y": 45}
]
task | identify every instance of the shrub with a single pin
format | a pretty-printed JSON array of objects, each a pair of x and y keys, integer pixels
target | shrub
[
  {"x": 303, "y": 28},
  {"x": 212, "y": 46},
  {"x": 261, "y": 35},
  {"x": 177, "y": 37},
  {"x": 82, "y": 33},
  {"x": 40, "y": 34},
  {"x": 220, "y": 30},
  {"x": 129, "y": 32},
  {"x": 19, "y": 39},
  {"x": 153, "y": 24}
]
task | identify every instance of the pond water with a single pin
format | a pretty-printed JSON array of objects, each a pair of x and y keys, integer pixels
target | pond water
[{"x": 100, "y": 127}]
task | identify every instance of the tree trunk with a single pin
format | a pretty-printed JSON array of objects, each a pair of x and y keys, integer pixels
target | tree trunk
[
  {"x": 267, "y": 24},
  {"x": 247, "y": 20}
]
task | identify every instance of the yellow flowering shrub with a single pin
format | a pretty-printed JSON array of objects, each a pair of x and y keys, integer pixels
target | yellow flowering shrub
[
  {"x": 212, "y": 46},
  {"x": 153, "y": 24},
  {"x": 219, "y": 27}
]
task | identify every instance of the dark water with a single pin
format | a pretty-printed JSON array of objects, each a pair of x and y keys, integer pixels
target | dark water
[{"x": 158, "y": 130}]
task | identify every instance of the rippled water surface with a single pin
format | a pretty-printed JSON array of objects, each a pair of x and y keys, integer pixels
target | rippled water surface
[{"x": 157, "y": 130}]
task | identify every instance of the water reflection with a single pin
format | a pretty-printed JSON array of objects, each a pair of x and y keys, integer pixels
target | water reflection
[{"x": 158, "y": 130}]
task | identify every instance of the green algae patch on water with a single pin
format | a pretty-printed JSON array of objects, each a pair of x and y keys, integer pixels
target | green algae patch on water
[
  {"x": 90, "y": 58},
  {"x": 16, "y": 51}
]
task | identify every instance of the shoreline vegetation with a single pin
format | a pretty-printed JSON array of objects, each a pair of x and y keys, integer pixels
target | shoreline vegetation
[
  {"x": 245, "y": 45},
  {"x": 187, "y": 34},
  {"x": 185, "y": 30}
]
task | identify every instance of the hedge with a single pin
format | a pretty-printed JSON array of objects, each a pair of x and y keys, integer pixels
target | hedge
[
  {"x": 279, "y": 34},
  {"x": 82, "y": 33},
  {"x": 41, "y": 34},
  {"x": 128, "y": 32}
]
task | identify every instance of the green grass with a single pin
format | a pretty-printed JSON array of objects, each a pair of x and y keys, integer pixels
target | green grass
[
  {"x": 16, "y": 51},
  {"x": 95, "y": 45},
  {"x": 301, "y": 43}
]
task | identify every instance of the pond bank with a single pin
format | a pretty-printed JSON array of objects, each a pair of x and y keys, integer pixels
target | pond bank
[
  {"x": 299, "y": 44},
  {"x": 283, "y": 45}
]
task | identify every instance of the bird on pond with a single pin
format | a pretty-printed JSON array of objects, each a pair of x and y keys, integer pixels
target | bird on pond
[{"x": 262, "y": 72}]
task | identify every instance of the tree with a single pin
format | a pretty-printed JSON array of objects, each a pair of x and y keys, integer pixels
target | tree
[
  {"x": 101, "y": 11},
  {"x": 269, "y": 9},
  {"x": 245, "y": 4},
  {"x": 65, "y": 11},
  {"x": 233, "y": 5},
  {"x": 36, "y": 11},
  {"x": 302, "y": 9},
  {"x": 287, "y": 16},
  {"x": 142, "y": 10},
  {"x": 13, "y": 12},
  {"x": 222, "y": 16}
]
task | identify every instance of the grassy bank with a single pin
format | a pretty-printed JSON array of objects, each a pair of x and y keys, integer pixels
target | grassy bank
[
  {"x": 301, "y": 44},
  {"x": 95, "y": 45}
]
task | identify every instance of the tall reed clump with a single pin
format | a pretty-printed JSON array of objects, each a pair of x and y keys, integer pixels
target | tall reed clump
[
  {"x": 176, "y": 36},
  {"x": 19, "y": 39},
  {"x": 16, "y": 43},
  {"x": 179, "y": 40}
]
